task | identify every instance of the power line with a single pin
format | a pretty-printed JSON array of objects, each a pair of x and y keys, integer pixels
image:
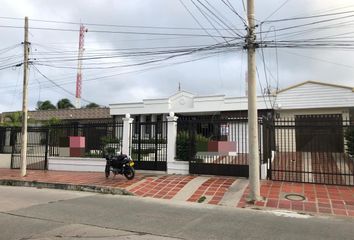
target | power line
[
  {"x": 115, "y": 25},
  {"x": 57, "y": 85},
  {"x": 219, "y": 19},
  {"x": 308, "y": 17},
  {"x": 276, "y": 10},
  {"x": 196, "y": 20},
  {"x": 118, "y": 32},
  {"x": 229, "y": 5}
]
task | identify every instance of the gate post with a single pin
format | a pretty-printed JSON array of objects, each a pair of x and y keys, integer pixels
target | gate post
[
  {"x": 171, "y": 137},
  {"x": 126, "y": 133}
]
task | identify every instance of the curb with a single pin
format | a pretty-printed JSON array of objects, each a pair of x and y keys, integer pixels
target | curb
[{"x": 64, "y": 186}]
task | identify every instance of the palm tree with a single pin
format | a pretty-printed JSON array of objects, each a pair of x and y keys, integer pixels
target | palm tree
[
  {"x": 13, "y": 119},
  {"x": 46, "y": 105},
  {"x": 64, "y": 104},
  {"x": 92, "y": 105}
]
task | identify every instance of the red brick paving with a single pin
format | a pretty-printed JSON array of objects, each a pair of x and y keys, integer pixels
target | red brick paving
[
  {"x": 319, "y": 199},
  {"x": 213, "y": 189},
  {"x": 165, "y": 187},
  {"x": 66, "y": 177},
  {"x": 290, "y": 166}
]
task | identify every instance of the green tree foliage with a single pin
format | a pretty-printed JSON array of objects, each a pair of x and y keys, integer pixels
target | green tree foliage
[
  {"x": 64, "y": 104},
  {"x": 53, "y": 121},
  {"x": 92, "y": 105},
  {"x": 188, "y": 145},
  {"x": 349, "y": 136},
  {"x": 46, "y": 105},
  {"x": 13, "y": 119}
]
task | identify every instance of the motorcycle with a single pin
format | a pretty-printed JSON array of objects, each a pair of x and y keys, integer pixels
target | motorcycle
[{"x": 121, "y": 164}]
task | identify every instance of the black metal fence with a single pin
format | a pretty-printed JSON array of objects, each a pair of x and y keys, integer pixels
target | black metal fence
[
  {"x": 218, "y": 147},
  {"x": 311, "y": 149},
  {"x": 98, "y": 139},
  {"x": 37, "y": 148},
  {"x": 149, "y": 145}
]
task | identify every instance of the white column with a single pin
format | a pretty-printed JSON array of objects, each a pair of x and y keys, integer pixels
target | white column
[
  {"x": 173, "y": 166},
  {"x": 171, "y": 137},
  {"x": 127, "y": 132}
]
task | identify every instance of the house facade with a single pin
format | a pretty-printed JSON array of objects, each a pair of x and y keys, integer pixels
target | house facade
[
  {"x": 301, "y": 139},
  {"x": 301, "y": 102}
]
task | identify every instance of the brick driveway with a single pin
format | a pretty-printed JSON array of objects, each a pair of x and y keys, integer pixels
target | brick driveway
[{"x": 318, "y": 198}]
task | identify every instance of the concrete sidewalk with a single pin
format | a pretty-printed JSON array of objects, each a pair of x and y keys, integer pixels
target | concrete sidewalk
[{"x": 218, "y": 190}]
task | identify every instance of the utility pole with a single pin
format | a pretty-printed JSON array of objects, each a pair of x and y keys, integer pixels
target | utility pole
[
  {"x": 254, "y": 165},
  {"x": 24, "y": 102}
]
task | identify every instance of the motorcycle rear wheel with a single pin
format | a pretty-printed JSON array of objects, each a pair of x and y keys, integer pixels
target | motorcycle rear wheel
[
  {"x": 107, "y": 170},
  {"x": 129, "y": 172}
]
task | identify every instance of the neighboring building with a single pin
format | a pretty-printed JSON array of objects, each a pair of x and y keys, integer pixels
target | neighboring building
[
  {"x": 316, "y": 105},
  {"x": 311, "y": 97},
  {"x": 75, "y": 116}
]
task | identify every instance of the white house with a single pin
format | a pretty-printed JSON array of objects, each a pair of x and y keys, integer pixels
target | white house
[
  {"x": 305, "y": 100},
  {"x": 308, "y": 97}
]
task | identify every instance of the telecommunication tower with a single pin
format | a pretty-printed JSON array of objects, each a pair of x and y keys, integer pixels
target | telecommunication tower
[{"x": 83, "y": 30}]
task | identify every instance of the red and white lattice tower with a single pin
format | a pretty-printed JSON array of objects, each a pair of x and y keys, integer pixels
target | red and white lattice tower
[{"x": 79, "y": 65}]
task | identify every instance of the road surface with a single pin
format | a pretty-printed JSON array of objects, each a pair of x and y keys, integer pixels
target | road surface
[{"x": 30, "y": 213}]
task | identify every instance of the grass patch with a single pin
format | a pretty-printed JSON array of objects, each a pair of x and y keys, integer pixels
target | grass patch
[{"x": 201, "y": 199}]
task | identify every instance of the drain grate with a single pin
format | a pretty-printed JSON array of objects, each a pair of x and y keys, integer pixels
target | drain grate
[{"x": 294, "y": 197}]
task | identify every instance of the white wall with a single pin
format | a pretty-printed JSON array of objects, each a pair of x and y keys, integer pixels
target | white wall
[
  {"x": 313, "y": 96},
  {"x": 77, "y": 164},
  {"x": 5, "y": 160}
]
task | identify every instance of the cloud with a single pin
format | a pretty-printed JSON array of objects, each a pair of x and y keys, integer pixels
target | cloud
[{"x": 221, "y": 74}]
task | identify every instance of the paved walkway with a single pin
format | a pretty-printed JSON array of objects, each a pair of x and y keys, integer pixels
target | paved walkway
[
  {"x": 227, "y": 191},
  {"x": 310, "y": 198}
]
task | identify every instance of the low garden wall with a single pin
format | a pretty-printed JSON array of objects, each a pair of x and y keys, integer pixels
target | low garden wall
[
  {"x": 5, "y": 160},
  {"x": 76, "y": 164}
]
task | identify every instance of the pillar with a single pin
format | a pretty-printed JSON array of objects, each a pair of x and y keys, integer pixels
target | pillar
[
  {"x": 127, "y": 132},
  {"x": 171, "y": 137}
]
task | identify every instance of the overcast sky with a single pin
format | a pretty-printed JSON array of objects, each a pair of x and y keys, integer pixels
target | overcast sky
[{"x": 201, "y": 73}]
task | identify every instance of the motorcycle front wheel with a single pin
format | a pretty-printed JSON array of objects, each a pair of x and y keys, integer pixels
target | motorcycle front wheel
[
  {"x": 107, "y": 170},
  {"x": 129, "y": 172}
]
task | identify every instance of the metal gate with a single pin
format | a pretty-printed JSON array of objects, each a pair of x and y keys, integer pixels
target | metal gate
[
  {"x": 37, "y": 148},
  {"x": 149, "y": 145},
  {"x": 309, "y": 149},
  {"x": 214, "y": 147}
]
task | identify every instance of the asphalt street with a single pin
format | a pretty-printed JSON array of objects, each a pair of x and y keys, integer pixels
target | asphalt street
[{"x": 30, "y": 213}]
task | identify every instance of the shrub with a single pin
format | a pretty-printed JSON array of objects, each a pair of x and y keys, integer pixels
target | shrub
[
  {"x": 349, "y": 136},
  {"x": 186, "y": 148},
  {"x": 183, "y": 146},
  {"x": 110, "y": 145}
]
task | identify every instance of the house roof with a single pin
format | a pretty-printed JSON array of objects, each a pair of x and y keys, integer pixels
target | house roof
[
  {"x": 315, "y": 82},
  {"x": 68, "y": 114},
  {"x": 305, "y": 95}
]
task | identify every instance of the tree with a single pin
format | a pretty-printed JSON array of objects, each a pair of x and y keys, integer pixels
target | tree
[
  {"x": 46, "y": 105},
  {"x": 349, "y": 136},
  {"x": 92, "y": 105},
  {"x": 64, "y": 104},
  {"x": 53, "y": 121},
  {"x": 13, "y": 119}
]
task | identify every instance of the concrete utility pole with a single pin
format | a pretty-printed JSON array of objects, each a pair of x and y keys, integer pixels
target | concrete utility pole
[
  {"x": 24, "y": 102},
  {"x": 252, "y": 107}
]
